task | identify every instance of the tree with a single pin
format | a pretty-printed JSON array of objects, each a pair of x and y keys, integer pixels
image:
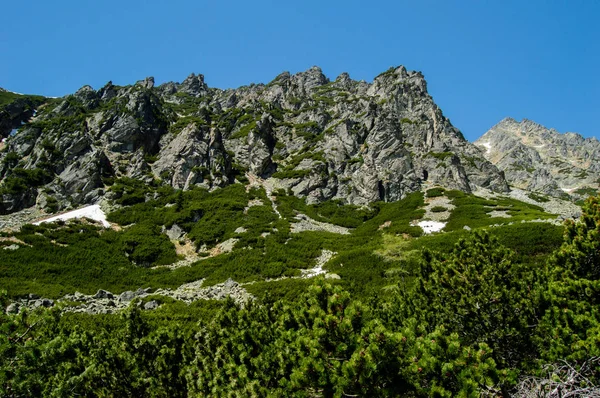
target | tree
[
  {"x": 570, "y": 329},
  {"x": 480, "y": 293}
]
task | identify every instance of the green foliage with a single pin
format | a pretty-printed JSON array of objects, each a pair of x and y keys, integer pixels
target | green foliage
[
  {"x": 185, "y": 121},
  {"x": 479, "y": 292},
  {"x": 586, "y": 191},
  {"x": 20, "y": 180},
  {"x": 441, "y": 155},
  {"x": 473, "y": 211},
  {"x": 435, "y": 192},
  {"x": 7, "y": 97},
  {"x": 146, "y": 246},
  {"x": 439, "y": 209},
  {"x": 289, "y": 171},
  {"x": 571, "y": 326}
]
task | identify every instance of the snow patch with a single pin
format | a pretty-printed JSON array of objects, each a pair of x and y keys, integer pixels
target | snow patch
[
  {"x": 488, "y": 147},
  {"x": 569, "y": 190},
  {"x": 431, "y": 226},
  {"x": 13, "y": 132},
  {"x": 93, "y": 212}
]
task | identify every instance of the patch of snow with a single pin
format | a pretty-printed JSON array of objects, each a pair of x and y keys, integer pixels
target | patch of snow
[
  {"x": 431, "y": 226},
  {"x": 488, "y": 147},
  {"x": 13, "y": 132},
  {"x": 569, "y": 190},
  {"x": 93, "y": 212}
]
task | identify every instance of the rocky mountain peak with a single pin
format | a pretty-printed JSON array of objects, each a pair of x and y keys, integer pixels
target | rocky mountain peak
[
  {"x": 194, "y": 85},
  {"x": 537, "y": 158},
  {"x": 147, "y": 83},
  {"x": 348, "y": 140}
]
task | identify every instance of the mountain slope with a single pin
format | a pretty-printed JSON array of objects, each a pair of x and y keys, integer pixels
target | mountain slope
[
  {"x": 320, "y": 139},
  {"x": 536, "y": 158}
]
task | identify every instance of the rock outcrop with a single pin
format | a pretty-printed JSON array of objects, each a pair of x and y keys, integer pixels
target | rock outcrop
[
  {"x": 539, "y": 159},
  {"x": 350, "y": 140}
]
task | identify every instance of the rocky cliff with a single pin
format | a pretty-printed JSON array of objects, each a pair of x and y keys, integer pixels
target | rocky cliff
[
  {"x": 539, "y": 159},
  {"x": 344, "y": 139}
]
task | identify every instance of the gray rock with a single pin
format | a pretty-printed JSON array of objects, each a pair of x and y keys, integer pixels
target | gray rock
[
  {"x": 13, "y": 308},
  {"x": 175, "y": 232},
  {"x": 349, "y": 140},
  {"x": 127, "y": 296},
  {"x": 151, "y": 305},
  {"x": 11, "y": 247},
  {"x": 539, "y": 159},
  {"x": 103, "y": 294}
]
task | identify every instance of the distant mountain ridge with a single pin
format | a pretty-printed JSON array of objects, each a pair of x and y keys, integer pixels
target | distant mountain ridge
[
  {"x": 539, "y": 159},
  {"x": 320, "y": 139}
]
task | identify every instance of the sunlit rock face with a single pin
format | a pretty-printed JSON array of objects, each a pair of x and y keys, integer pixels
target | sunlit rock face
[{"x": 543, "y": 160}]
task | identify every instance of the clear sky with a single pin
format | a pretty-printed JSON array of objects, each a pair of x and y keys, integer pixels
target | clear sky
[{"x": 483, "y": 60}]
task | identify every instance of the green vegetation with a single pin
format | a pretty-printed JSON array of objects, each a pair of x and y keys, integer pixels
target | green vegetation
[
  {"x": 441, "y": 155},
  {"x": 439, "y": 209},
  {"x": 469, "y": 320},
  {"x": 473, "y": 211},
  {"x": 450, "y": 314},
  {"x": 538, "y": 197},
  {"x": 289, "y": 171},
  {"x": 435, "y": 192},
  {"x": 20, "y": 180},
  {"x": 7, "y": 97},
  {"x": 587, "y": 191}
]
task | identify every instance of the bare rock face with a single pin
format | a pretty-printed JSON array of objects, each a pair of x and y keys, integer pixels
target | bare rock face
[
  {"x": 344, "y": 139},
  {"x": 536, "y": 158}
]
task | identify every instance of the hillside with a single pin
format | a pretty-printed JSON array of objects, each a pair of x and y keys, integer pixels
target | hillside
[{"x": 306, "y": 238}]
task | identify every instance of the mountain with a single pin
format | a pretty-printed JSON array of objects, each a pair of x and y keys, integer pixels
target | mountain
[
  {"x": 349, "y": 140},
  {"x": 539, "y": 159}
]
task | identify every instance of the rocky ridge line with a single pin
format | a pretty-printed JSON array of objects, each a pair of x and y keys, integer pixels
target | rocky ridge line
[
  {"x": 319, "y": 139},
  {"x": 538, "y": 159}
]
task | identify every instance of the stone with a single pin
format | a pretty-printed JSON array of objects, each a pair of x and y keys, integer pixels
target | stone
[
  {"x": 13, "y": 308},
  {"x": 103, "y": 294},
  {"x": 175, "y": 232},
  {"x": 127, "y": 296},
  {"x": 11, "y": 247},
  {"x": 151, "y": 305}
]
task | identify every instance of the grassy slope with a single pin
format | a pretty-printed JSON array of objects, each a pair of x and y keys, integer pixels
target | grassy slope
[{"x": 79, "y": 257}]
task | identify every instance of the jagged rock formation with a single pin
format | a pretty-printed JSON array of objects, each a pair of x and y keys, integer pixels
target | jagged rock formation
[
  {"x": 321, "y": 139},
  {"x": 536, "y": 158}
]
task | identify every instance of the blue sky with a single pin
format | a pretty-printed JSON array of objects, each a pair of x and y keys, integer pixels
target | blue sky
[{"x": 483, "y": 60}]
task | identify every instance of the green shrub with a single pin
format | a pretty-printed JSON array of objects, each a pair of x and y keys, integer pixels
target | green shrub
[{"x": 435, "y": 192}]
